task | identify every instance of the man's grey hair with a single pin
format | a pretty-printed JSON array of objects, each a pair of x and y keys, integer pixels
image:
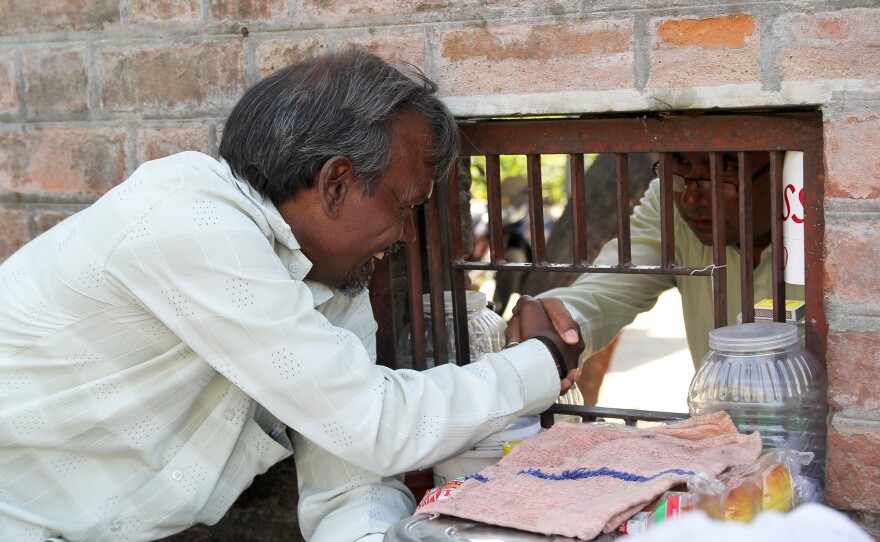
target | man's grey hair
[{"x": 286, "y": 127}]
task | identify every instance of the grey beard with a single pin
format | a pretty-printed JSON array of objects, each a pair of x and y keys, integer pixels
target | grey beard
[{"x": 357, "y": 285}]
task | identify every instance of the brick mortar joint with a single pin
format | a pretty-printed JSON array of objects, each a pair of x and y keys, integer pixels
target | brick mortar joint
[
  {"x": 842, "y": 210},
  {"x": 841, "y": 420}
]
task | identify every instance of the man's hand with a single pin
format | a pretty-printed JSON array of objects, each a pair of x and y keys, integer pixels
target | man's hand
[
  {"x": 563, "y": 323},
  {"x": 548, "y": 318}
]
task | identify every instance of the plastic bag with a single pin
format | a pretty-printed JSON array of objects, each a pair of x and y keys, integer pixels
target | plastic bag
[{"x": 772, "y": 483}]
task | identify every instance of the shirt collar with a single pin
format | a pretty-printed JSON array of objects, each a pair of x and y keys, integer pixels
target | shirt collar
[{"x": 278, "y": 231}]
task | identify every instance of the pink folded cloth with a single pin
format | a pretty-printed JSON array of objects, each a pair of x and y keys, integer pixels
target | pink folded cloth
[{"x": 579, "y": 479}]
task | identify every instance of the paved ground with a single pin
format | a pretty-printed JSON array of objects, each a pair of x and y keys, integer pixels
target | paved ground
[{"x": 652, "y": 367}]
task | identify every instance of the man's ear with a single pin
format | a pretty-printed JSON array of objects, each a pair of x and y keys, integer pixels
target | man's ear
[{"x": 334, "y": 181}]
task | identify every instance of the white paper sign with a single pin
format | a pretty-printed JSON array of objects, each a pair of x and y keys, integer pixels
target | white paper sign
[{"x": 793, "y": 216}]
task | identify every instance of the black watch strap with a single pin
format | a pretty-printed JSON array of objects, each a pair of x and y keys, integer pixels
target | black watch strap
[{"x": 561, "y": 366}]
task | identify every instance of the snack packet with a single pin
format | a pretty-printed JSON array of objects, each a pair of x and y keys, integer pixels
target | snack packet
[
  {"x": 441, "y": 492},
  {"x": 667, "y": 506}
]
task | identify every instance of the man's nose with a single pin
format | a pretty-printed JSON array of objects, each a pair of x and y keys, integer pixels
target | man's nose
[
  {"x": 695, "y": 195},
  {"x": 408, "y": 235}
]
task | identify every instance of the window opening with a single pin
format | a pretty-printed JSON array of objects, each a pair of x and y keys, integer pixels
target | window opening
[{"x": 534, "y": 144}]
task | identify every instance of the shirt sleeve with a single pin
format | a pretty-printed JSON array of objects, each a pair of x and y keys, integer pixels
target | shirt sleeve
[
  {"x": 603, "y": 303},
  {"x": 203, "y": 268}
]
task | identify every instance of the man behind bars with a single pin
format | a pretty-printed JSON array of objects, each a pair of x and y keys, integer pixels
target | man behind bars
[
  {"x": 601, "y": 304},
  {"x": 205, "y": 318}
]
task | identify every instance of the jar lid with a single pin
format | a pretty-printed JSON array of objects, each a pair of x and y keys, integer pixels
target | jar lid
[
  {"x": 473, "y": 300},
  {"x": 755, "y": 337}
]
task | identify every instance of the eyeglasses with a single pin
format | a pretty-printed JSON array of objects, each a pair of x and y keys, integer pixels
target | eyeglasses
[{"x": 730, "y": 179}]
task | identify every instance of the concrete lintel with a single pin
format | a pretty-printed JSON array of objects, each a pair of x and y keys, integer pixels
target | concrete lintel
[{"x": 752, "y": 95}]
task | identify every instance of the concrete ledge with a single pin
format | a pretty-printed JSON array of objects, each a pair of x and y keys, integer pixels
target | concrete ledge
[{"x": 792, "y": 93}]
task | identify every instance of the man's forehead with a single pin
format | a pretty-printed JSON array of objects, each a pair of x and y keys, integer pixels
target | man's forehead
[{"x": 417, "y": 192}]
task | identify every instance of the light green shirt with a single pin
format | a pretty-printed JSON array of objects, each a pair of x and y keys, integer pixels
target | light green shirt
[
  {"x": 603, "y": 303},
  {"x": 150, "y": 343}
]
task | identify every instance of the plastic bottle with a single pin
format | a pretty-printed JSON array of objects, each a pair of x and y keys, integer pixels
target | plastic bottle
[
  {"x": 768, "y": 382},
  {"x": 485, "y": 330}
]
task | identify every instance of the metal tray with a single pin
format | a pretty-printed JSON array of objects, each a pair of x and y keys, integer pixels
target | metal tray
[{"x": 436, "y": 528}]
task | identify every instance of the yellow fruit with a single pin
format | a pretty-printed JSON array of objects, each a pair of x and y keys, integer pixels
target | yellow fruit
[
  {"x": 777, "y": 491},
  {"x": 739, "y": 506}
]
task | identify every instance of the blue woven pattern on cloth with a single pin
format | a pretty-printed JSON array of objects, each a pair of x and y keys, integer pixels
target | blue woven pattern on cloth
[{"x": 580, "y": 474}]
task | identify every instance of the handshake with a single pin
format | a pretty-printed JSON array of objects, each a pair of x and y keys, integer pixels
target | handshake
[{"x": 548, "y": 321}]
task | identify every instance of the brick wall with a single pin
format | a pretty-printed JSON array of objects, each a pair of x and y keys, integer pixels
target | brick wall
[{"x": 90, "y": 89}]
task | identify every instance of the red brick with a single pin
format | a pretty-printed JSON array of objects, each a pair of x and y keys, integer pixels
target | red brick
[
  {"x": 248, "y": 9},
  {"x": 527, "y": 58},
  {"x": 852, "y": 277},
  {"x": 852, "y": 474},
  {"x": 825, "y": 45},
  {"x": 21, "y": 16},
  {"x": 77, "y": 160},
  {"x": 851, "y": 158},
  {"x": 56, "y": 82},
  {"x": 334, "y": 11},
  {"x": 330, "y": 11},
  {"x": 181, "y": 79},
  {"x": 728, "y": 31},
  {"x": 8, "y": 99},
  {"x": 705, "y": 52},
  {"x": 14, "y": 228},
  {"x": 151, "y": 11},
  {"x": 853, "y": 371},
  {"x": 393, "y": 48},
  {"x": 46, "y": 220},
  {"x": 273, "y": 55},
  {"x": 162, "y": 140}
]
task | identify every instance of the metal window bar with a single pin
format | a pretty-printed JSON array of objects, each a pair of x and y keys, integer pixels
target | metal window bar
[
  {"x": 592, "y": 414},
  {"x": 714, "y": 134}
]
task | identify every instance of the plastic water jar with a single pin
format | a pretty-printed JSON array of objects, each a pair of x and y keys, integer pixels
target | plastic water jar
[
  {"x": 485, "y": 330},
  {"x": 766, "y": 381}
]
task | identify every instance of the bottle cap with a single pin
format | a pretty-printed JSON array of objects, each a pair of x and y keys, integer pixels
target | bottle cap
[
  {"x": 755, "y": 337},
  {"x": 473, "y": 300}
]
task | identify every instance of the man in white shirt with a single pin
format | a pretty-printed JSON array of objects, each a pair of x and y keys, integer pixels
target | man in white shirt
[{"x": 205, "y": 319}]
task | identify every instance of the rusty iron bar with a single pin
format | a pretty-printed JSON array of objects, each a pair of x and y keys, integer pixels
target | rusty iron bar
[
  {"x": 457, "y": 278},
  {"x": 667, "y": 223},
  {"x": 579, "y": 215},
  {"x": 719, "y": 238},
  {"x": 380, "y": 288},
  {"x": 536, "y": 208},
  {"x": 814, "y": 230},
  {"x": 624, "y": 242},
  {"x": 593, "y": 413},
  {"x": 778, "y": 254},
  {"x": 416, "y": 311},
  {"x": 667, "y": 134},
  {"x": 583, "y": 268},
  {"x": 493, "y": 189},
  {"x": 435, "y": 278},
  {"x": 746, "y": 237}
]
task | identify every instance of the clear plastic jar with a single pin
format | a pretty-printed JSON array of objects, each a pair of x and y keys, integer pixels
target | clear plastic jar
[
  {"x": 485, "y": 330},
  {"x": 768, "y": 382}
]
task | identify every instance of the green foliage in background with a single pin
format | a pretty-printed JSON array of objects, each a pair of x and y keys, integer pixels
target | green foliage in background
[{"x": 554, "y": 174}]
